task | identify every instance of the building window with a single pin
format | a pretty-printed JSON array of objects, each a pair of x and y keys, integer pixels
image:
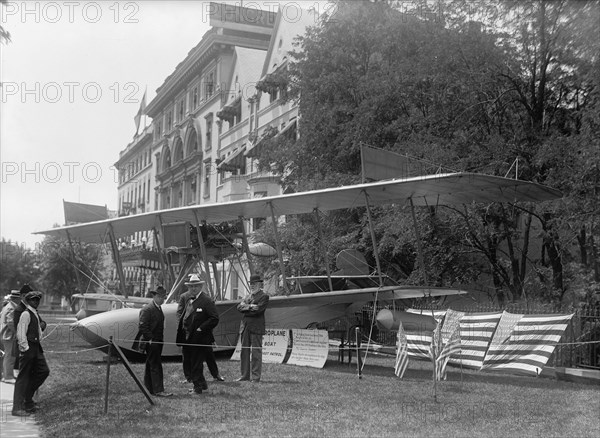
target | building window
[
  {"x": 209, "y": 124},
  {"x": 158, "y": 130},
  {"x": 252, "y": 115},
  {"x": 195, "y": 98},
  {"x": 209, "y": 84},
  {"x": 169, "y": 121},
  {"x": 181, "y": 110},
  {"x": 273, "y": 95},
  {"x": 193, "y": 192},
  {"x": 206, "y": 180}
]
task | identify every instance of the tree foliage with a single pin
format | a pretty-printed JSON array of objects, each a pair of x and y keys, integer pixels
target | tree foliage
[
  {"x": 63, "y": 275},
  {"x": 470, "y": 90},
  {"x": 18, "y": 265}
]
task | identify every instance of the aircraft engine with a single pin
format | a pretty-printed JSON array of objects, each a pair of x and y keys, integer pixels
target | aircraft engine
[{"x": 411, "y": 322}]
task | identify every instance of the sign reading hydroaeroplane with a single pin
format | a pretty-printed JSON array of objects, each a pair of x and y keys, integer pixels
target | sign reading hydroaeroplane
[{"x": 302, "y": 310}]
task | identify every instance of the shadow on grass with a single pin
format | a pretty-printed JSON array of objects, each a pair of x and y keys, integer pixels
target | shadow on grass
[{"x": 453, "y": 375}]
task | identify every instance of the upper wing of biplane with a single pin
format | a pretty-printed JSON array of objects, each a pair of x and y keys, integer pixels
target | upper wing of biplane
[{"x": 431, "y": 190}]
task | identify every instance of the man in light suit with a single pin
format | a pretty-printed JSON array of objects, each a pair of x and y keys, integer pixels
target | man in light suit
[
  {"x": 152, "y": 327},
  {"x": 252, "y": 329},
  {"x": 194, "y": 331}
]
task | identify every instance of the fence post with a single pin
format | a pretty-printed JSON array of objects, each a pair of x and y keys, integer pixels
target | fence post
[
  {"x": 108, "y": 360},
  {"x": 358, "y": 357}
]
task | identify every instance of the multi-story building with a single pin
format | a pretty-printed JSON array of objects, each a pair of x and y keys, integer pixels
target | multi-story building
[{"x": 206, "y": 119}]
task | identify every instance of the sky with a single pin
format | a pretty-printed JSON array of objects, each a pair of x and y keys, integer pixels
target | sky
[{"x": 73, "y": 76}]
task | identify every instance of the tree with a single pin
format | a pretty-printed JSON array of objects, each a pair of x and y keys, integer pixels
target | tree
[
  {"x": 18, "y": 265},
  {"x": 62, "y": 275},
  {"x": 4, "y": 34},
  {"x": 469, "y": 95}
]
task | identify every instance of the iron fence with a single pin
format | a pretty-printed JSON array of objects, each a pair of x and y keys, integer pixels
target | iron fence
[{"x": 579, "y": 346}]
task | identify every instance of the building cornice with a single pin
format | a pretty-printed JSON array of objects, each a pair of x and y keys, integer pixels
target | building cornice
[
  {"x": 197, "y": 59},
  {"x": 141, "y": 141}
]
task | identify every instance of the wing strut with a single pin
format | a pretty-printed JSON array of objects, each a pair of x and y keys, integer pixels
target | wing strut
[
  {"x": 323, "y": 249},
  {"x": 203, "y": 253},
  {"x": 373, "y": 240},
  {"x": 164, "y": 257},
  {"x": 74, "y": 262},
  {"x": 426, "y": 281},
  {"x": 245, "y": 246},
  {"x": 117, "y": 259},
  {"x": 279, "y": 253}
]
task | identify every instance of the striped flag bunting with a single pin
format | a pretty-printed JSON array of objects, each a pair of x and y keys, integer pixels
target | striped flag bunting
[
  {"x": 402, "y": 353},
  {"x": 476, "y": 331},
  {"x": 523, "y": 343},
  {"x": 498, "y": 341}
]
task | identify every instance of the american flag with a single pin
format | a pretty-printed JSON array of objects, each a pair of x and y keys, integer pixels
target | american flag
[
  {"x": 435, "y": 349},
  {"x": 476, "y": 331},
  {"x": 419, "y": 342},
  {"x": 450, "y": 338},
  {"x": 523, "y": 343},
  {"x": 402, "y": 353}
]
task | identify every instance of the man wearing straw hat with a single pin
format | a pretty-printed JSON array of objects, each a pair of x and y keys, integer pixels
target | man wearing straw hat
[
  {"x": 8, "y": 334},
  {"x": 211, "y": 363},
  {"x": 194, "y": 331},
  {"x": 152, "y": 327}
]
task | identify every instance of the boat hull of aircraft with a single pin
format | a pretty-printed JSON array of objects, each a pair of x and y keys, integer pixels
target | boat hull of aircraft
[
  {"x": 284, "y": 312},
  {"x": 122, "y": 326}
]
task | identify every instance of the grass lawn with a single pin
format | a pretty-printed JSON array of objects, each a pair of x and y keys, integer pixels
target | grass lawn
[{"x": 297, "y": 401}]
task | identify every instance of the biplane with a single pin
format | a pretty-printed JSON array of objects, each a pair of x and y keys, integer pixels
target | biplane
[{"x": 305, "y": 307}]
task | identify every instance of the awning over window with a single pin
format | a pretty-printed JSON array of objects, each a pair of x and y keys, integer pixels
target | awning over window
[
  {"x": 255, "y": 148},
  {"x": 233, "y": 162}
]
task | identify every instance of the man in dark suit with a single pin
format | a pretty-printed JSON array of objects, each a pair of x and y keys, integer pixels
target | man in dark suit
[
  {"x": 211, "y": 362},
  {"x": 33, "y": 368},
  {"x": 152, "y": 327},
  {"x": 194, "y": 331},
  {"x": 252, "y": 329}
]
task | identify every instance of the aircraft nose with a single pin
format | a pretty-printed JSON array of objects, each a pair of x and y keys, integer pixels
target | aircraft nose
[
  {"x": 89, "y": 335},
  {"x": 385, "y": 319}
]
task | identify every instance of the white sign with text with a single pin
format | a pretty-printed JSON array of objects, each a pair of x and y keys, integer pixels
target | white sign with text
[
  {"x": 275, "y": 343},
  {"x": 309, "y": 348}
]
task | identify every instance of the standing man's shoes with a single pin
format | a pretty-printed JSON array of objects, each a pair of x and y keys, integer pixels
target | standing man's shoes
[
  {"x": 242, "y": 379},
  {"x": 219, "y": 378},
  {"x": 195, "y": 391},
  {"x": 204, "y": 385},
  {"x": 163, "y": 394},
  {"x": 21, "y": 413}
]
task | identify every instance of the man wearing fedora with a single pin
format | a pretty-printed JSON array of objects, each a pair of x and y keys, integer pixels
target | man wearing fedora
[
  {"x": 33, "y": 369},
  {"x": 8, "y": 334},
  {"x": 194, "y": 331},
  {"x": 211, "y": 362},
  {"x": 252, "y": 329},
  {"x": 152, "y": 327}
]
